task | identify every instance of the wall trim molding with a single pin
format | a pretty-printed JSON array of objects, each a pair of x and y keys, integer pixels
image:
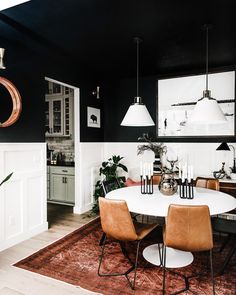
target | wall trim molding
[{"x": 23, "y": 209}]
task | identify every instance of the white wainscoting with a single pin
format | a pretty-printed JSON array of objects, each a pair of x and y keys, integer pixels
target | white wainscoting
[
  {"x": 23, "y": 207},
  {"x": 91, "y": 157},
  {"x": 203, "y": 156}
]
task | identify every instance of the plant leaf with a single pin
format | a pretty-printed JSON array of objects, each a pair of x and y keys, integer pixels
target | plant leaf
[
  {"x": 6, "y": 179},
  {"x": 123, "y": 167}
]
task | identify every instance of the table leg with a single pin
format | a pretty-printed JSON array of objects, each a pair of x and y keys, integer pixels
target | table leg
[{"x": 174, "y": 258}]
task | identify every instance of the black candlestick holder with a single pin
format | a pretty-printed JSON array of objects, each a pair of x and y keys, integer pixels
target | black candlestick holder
[
  {"x": 186, "y": 189},
  {"x": 146, "y": 185}
]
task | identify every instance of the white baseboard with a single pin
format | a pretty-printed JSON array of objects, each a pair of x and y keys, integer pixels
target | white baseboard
[{"x": 37, "y": 230}]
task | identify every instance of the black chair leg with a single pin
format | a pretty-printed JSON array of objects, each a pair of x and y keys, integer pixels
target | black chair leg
[
  {"x": 164, "y": 268},
  {"x": 102, "y": 254},
  {"x": 225, "y": 243},
  {"x": 228, "y": 257},
  {"x": 135, "y": 266},
  {"x": 212, "y": 274},
  {"x": 160, "y": 254},
  {"x": 102, "y": 239},
  {"x": 125, "y": 252}
]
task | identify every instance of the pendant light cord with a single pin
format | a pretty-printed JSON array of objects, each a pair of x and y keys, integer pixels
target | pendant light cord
[
  {"x": 138, "y": 41},
  {"x": 207, "y": 40}
]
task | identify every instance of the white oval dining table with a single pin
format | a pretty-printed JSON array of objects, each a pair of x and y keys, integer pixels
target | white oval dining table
[{"x": 157, "y": 204}]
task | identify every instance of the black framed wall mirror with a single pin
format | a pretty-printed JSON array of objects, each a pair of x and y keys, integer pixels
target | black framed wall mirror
[{"x": 176, "y": 99}]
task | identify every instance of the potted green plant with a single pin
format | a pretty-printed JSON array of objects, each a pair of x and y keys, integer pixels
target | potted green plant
[
  {"x": 157, "y": 147},
  {"x": 6, "y": 179},
  {"x": 108, "y": 170}
]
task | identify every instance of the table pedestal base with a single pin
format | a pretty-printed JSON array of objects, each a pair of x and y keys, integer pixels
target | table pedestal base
[{"x": 174, "y": 258}]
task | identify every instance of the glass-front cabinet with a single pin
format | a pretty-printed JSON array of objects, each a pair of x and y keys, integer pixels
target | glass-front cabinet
[
  {"x": 47, "y": 124},
  {"x": 59, "y": 111},
  {"x": 57, "y": 106},
  {"x": 54, "y": 116}
]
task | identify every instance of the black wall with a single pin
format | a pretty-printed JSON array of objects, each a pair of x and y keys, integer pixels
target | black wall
[
  {"x": 118, "y": 95},
  {"x": 30, "y": 126},
  {"x": 28, "y": 76}
]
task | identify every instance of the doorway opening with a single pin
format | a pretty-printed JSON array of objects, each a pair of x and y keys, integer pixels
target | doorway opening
[{"x": 62, "y": 138}]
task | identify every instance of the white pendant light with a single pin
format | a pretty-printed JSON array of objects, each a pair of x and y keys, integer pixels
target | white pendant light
[
  {"x": 207, "y": 110},
  {"x": 4, "y": 4},
  {"x": 137, "y": 114}
]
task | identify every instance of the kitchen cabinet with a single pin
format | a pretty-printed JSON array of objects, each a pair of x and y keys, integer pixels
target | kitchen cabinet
[
  {"x": 54, "y": 116},
  {"x": 53, "y": 88},
  {"x": 62, "y": 185},
  {"x": 48, "y": 182},
  {"x": 59, "y": 113}
]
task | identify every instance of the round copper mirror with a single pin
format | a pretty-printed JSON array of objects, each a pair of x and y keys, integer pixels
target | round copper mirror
[{"x": 16, "y": 102}]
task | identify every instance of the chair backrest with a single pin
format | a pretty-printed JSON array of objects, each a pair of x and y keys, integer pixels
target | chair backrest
[
  {"x": 210, "y": 183},
  {"x": 116, "y": 220},
  {"x": 188, "y": 228},
  {"x": 156, "y": 179},
  {"x": 131, "y": 182},
  {"x": 110, "y": 185}
]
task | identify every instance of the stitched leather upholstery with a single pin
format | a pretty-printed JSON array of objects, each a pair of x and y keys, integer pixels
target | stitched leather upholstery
[
  {"x": 210, "y": 183},
  {"x": 188, "y": 228},
  {"x": 117, "y": 223}
]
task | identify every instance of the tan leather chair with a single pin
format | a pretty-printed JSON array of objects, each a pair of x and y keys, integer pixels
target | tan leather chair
[
  {"x": 156, "y": 179},
  {"x": 117, "y": 224},
  {"x": 210, "y": 183},
  {"x": 188, "y": 228}
]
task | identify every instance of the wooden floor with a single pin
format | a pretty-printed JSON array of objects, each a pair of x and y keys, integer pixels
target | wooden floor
[{"x": 15, "y": 281}]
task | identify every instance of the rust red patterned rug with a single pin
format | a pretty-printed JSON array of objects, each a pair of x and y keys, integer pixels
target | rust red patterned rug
[{"x": 74, "y": 259}]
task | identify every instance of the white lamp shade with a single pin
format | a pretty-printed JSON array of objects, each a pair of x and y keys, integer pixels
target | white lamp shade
[
  {"x": 207, "y": 111},
  {"x": 4, "y": 4},
  {"x": 137, "y": 116}
]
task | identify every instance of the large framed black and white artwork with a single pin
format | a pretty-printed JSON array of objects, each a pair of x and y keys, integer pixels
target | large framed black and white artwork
[
  {"x": 178, "y": 96},
  {"x": 93, "y": 117}
]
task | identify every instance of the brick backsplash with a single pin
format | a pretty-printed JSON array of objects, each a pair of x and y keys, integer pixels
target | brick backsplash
[{"x": 61, "y": 145}]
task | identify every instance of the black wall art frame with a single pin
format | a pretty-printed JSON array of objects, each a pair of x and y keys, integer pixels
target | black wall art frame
[{"x": 175, "y": 98}]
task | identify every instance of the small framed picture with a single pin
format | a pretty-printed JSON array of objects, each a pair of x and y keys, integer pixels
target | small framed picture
[{"x": 94, "y": 117}]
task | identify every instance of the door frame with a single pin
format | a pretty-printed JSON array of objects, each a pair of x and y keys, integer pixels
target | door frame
[{"x": 78, "y": 192}]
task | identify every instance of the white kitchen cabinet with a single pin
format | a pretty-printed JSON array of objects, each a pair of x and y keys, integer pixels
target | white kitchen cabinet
[
  {"x": 62, "y": 185},
  {"x": 70, "y": 188},
  {"x": 48, "y": 182}
]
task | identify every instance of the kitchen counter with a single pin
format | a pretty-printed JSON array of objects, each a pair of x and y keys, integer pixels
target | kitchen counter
[{"x": 63, "y": 164}]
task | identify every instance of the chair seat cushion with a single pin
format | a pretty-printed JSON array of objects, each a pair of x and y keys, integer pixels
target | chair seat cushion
[{"x": 143, "y": 229}]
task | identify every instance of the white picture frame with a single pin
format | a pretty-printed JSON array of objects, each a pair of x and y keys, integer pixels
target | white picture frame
[{"x": 93, "y": 117}]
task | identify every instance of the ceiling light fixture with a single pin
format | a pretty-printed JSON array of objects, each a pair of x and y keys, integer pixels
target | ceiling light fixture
[
  {"x": 137, "y": 114},
  {"x": 4, "y": 4},
  {"x": 207, "y": 110}
]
